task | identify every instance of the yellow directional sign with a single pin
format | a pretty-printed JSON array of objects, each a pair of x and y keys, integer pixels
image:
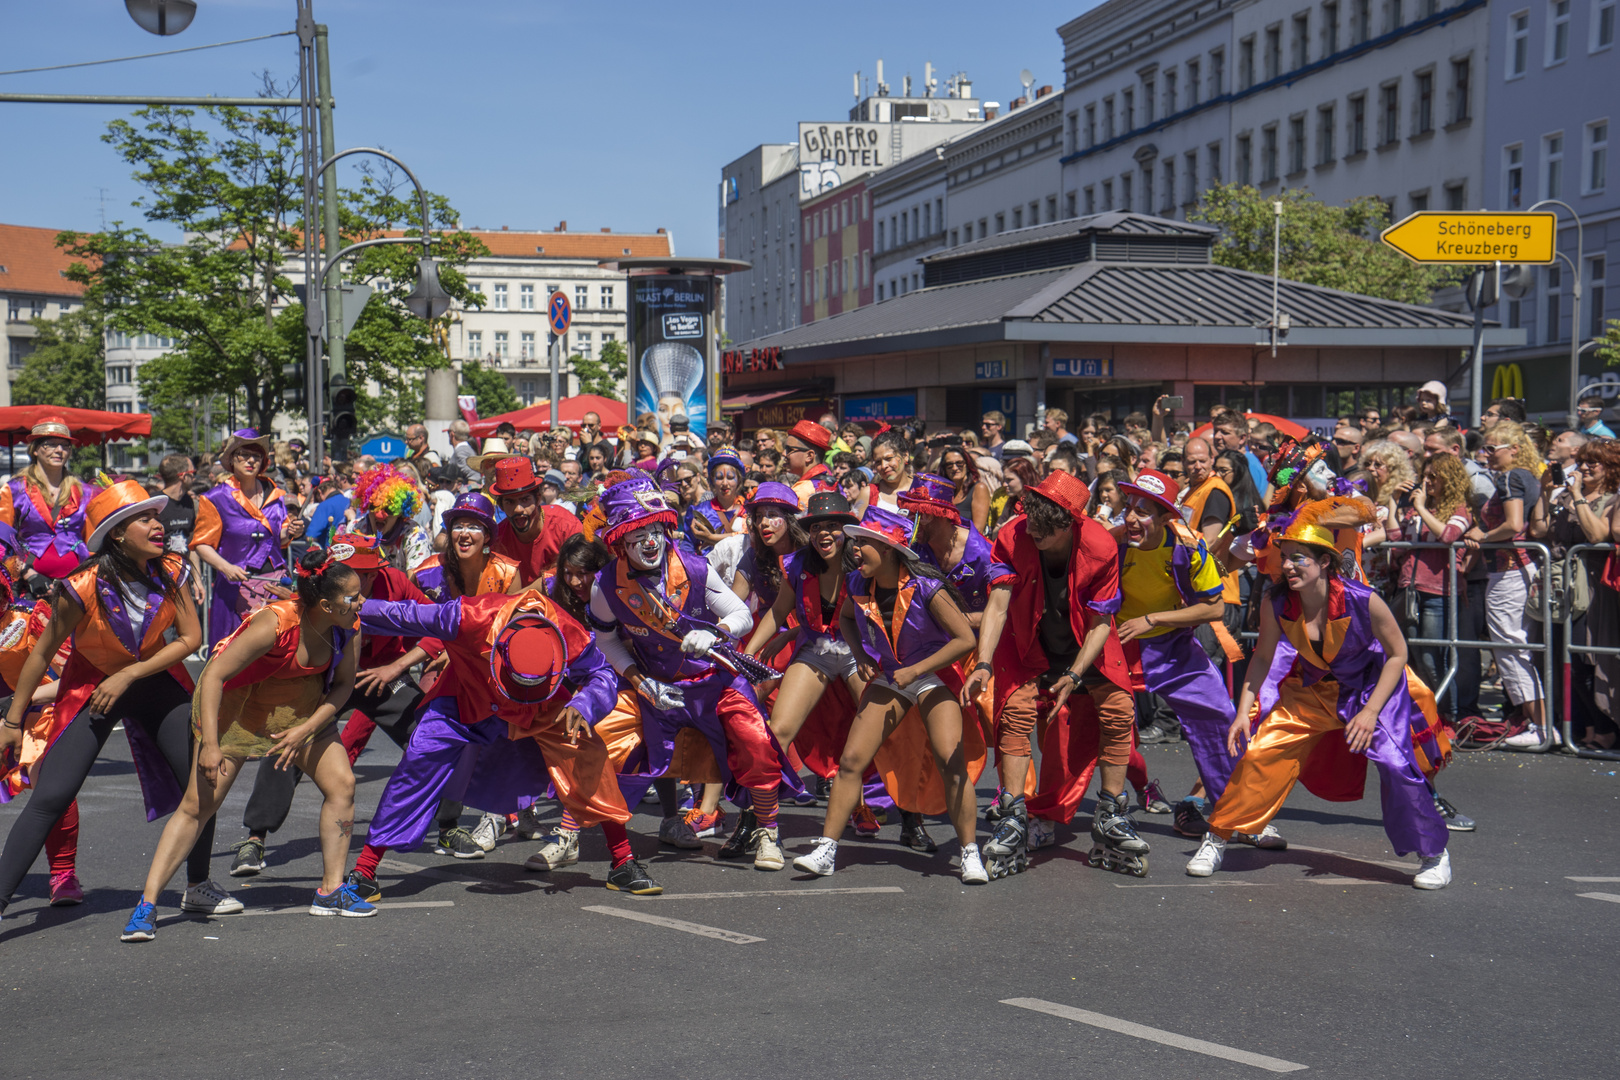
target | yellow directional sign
[{"x": 1437, "y": 236}]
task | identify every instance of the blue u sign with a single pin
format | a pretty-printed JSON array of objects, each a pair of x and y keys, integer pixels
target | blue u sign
[
  {"x": 990, "y": 369},
  {"x": 1064, "y": 367}
]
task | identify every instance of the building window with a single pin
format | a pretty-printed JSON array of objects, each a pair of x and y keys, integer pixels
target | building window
[
  {"x": 582, "y": 344},
  {"x": 1557, "y": 31},
  {"x": 1555, "y": 282},
  {"x": 1108, "y": 195},
  {"x": 1302, "y": 40},
  {"x": 1242, "y": 162},
  {"x": 1518, "y": 50},
  {"x": 500, "y": 297},
  {"x": 1215, "y": 163},
  {"x": 1128, "y": 110},
  {"x": 1108, "y": 118},
  {"x": 1420, "y": 201},
  {"x": 1125, "y": 185},
  {"x": 1515, "y": 315},
  {"x": 1597, "y": 269},
  {"x": 1513, "y": 177},
  {"x": 1018, "y": 217},
  {"x": 1170, "y": 92},
  {"x": 475, "y": 345},
  {"x": 1273, "y": 57},
  {"x": 1192, "y": 177},
  {"x": 1296, "y": 144},
  {"x": 1360, "y": 21},
  {"x": 1051, "y": 208},
  {"x": 984, "y": 230},
  {"x": 1001, "y": 223},
  {"x": 1595, "y": 177},
  {"x": 1457, "y": 196},
  {"x": 1169, "y": 205},
  {"x": 1147, "y": 189},
  {"x": 606, "y": 293},
  {"x": 502, "y": 351},
  {"x": 1091, "y": 125},
  {"x": 1072, "y": 136},
  {"x": 1358, "y": 124},
  {"x": 1217, "y": 72},
  {"x": 880, "y": 245},
  {"x": 1091, "y": 200},
  {"x": 120, "y": 406},
  {"x": 1149, "y": 101},
  {"x": 1389, "y": 114},
  {"x": 1425, "y": 103},
  {"x": 1268, "y": 154},
  {"x": 1602, "y": 32},
  {"x": 1392, "y": 15},
  {"x": 1325, "y": 126},
  {"x": 526, "y": 349},
  {"x": 866, "y": 269},
  {"x": 582, "y": 297},
  {"x": 1461, "y": 74},
  {"x": 1071, "y": 205},
  {"x": 526, "y": 297},
  {"x": 927, "y": 220},
  {"x": 1193, "y": 72},
  {"x": 1330, "y": 28},
  {"x": 1552, "y": 154}
]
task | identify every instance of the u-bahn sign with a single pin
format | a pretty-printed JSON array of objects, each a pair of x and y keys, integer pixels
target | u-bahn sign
[{"x": 1435, "y": 236}]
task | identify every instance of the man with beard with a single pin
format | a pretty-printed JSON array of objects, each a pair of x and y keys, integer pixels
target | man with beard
[{"x": 533, "y": 532}]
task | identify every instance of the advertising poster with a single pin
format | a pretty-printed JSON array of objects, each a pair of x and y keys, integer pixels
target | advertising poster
[{"x": 669, "y": 327}]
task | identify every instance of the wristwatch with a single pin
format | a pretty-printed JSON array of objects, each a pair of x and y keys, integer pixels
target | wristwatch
[
  {"x": 1070, "y": 674},
  {"x": 981, "y": 666}
]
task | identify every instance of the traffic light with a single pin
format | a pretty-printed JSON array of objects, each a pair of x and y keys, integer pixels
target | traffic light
[
  {"x": 295, "y": 395},
  {"x": 340, "y": 419}
]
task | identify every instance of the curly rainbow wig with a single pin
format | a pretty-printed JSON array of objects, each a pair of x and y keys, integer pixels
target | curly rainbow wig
[{"x": 386, "y": 488}]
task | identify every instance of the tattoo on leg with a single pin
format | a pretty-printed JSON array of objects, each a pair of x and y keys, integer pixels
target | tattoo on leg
[{"x": 346, "y": 827}]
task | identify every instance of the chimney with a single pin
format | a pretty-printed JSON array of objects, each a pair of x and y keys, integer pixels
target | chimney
[
  {"x": 606, "y": 229},
  {"x": 990, "y": 110},
  {"x": 1043, "y": 91},
  {"x": 1016, "y": 103},
  {"x": 562, "y": 226},
  {"x": 504, "y": 228},
  {"x": 662, "y": 231}
]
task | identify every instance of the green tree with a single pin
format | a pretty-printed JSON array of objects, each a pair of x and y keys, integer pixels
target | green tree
[
  {"x": 489, "y": 388},
  {"x": 1336, "y": 247},
  {"x": 1609, "y": 351},
  {"x": 231, "y": 181},
  {"x": 68, "y": 364},
  {"x": 603, "y": 376}
]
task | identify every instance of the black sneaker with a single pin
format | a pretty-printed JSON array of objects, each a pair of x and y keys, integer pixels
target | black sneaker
[
  {"x": 1454, "y": 821},
  {"x": 823, "y": 788},
  {"x": 1153, "y": 734},
  {"x": 458, "y": 843},
  {"x": 742, "y": 841},
  {"x": 364, "y": 887},
  {"x": 631, "y": 877},
  {"x": 1189, "y": 820},
  {"x": 913, "y": 835},
  {"x": 249, "y": 858}
]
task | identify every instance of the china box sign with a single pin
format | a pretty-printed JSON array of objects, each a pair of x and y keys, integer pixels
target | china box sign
[{"x": 737, "y": 362}]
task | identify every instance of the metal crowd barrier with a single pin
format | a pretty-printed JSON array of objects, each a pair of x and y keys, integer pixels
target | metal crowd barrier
[{"x": 1570, "y": 555}]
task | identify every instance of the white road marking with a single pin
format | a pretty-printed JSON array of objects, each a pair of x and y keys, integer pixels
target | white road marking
[
  {"x": 1204, "y": 885},
  {"x": 1152, "y": 1034},
  {"x": 1609, "y": 896},
  {"x": 303, "y": 909},
  {"x": 1594, "y": 880},
  {"x": 778, "y": 892},
  {"x": 676, "y": 924}
]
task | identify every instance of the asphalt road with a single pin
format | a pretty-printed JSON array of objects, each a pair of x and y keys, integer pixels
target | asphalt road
[{"x": 1321, "y": 957}]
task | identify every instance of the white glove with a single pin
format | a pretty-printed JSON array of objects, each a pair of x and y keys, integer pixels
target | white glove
[
  {"x": 699, "y": 642},
  {"x": 662, "y": 695}
]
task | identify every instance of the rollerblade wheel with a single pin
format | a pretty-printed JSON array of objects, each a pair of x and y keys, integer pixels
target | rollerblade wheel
[{"x": 1095, "y": 857}]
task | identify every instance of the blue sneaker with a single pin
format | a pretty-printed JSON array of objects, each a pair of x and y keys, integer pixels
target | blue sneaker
[
  {"x": 142, "y": 924},
  {"x": 343, "y": 900}
]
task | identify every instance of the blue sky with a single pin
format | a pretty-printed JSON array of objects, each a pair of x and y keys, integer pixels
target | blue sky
[{"x": 523, "y": 113}]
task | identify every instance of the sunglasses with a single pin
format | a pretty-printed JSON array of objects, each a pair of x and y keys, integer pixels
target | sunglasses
[
  {"x": 1174, "y": 475},
  {"x": 1494, "y": 449},
  {"x": 791, "y": 449},
  {"x": 1345, "y": 442}
]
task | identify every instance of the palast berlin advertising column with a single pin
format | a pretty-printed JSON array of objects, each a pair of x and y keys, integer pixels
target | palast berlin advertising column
[{"x": 674, "y": 347}]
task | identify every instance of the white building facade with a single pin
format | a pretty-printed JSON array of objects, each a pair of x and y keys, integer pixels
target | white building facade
[{"x": 759, "y": 223}]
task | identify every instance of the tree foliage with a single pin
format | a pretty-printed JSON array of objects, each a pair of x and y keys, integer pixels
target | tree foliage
[
  {"x": 605, "y": 375},
  {"x": 1336, "y": 247},
  {"x": 489, "y": 388},
  {"x": 231, "y": 180},
  {"x": 68, "y": 364},
  {"x": 1609, "y": 350}
]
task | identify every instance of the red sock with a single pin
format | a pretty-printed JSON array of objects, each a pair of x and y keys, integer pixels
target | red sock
[
  {"x": 1136, "y": 770},
  {"x": 618, "y": 842},
  {"x": 356, "y": 733},
  {"x": 370, "y": 856},
  {"x": 62, "y": 842}
]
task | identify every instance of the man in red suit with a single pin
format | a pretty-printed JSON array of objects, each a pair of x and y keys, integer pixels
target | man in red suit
[{"x": 533, "y": 531}]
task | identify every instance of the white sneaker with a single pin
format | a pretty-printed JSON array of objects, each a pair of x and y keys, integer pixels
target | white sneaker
[
  {"x": 529, "y": 826},
  {"x": 560, "y": 849},
  {"x": 1042, "y": 833},
  {"x": 768, "y": 849},
  {"x": 1207, "y": 860},
  {"x": 676, "y": 832},
  {"x": 1529, "y": 737},
  {"x": 822, "y": 860},
  {"x": 973, "y": 872},
  {"x": 490, "y": 828},
  {"x": 209, "y": 898},
  {"x": 1435, "y": 873},
  {"x": 1267, "y": 839}
]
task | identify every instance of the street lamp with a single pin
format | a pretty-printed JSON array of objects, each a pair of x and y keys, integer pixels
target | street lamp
[
  {"x": 162, "y": 17},
  {"x": 428, "y": 300}
]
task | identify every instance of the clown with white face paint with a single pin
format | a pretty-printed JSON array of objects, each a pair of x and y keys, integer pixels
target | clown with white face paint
[{"x": 659, "y": 612}]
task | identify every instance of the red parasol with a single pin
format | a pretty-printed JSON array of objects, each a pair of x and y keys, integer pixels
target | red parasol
[
  {"x": 570, "y": 413},
  {"x": 88, "y": 425},
  {"x": 1281, "y": 423}
]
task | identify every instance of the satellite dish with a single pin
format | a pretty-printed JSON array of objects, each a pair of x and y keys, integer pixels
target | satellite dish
[{"x": 1027, "y": 77}]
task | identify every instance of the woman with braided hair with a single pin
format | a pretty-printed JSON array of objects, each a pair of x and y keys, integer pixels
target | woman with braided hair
[{"x": 273, "y": 688}]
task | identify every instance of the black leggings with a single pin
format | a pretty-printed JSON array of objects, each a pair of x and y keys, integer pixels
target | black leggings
[{"x": 163, "y": 709}]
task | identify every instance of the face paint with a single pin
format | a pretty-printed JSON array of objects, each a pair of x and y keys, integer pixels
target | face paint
[
  {"x": 645, "y": 547},
  {"x": 1319, "y": 477}
]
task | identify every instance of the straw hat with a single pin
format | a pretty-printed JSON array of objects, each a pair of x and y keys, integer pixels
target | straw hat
[{"x": 494, "y": 450}]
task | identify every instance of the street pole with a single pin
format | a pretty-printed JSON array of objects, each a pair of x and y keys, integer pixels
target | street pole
[
  {"x": 314, "y": 384},
  {"x": 556, "y": 373},
  {"x": 1476, "y": 376},
  {"x": 335, "y": 367}
]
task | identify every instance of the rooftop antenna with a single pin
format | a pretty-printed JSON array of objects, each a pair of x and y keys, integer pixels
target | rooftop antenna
[
  {"x": 882, "y": 87},
  {"x": 857, "y": 86},
  {"x": 930, "y": 84},
  {"x": 906, "y": 86},
  {"x": 1027, "y": 77}
]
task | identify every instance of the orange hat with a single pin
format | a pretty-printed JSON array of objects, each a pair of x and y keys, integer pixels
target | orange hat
[
  {"x": 50, "y": 427},
  {"x": 357, "y": 551},
  {"x": 812, "y": 434},
  {"x": 115, "y": 505}
]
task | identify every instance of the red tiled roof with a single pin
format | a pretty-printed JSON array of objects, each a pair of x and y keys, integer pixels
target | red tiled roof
[
  {"x": 571, "y": 245},
  {"x": 30, "y": 262}
]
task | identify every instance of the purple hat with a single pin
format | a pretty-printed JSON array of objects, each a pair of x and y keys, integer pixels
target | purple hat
[
  {"x": 472, "y": 505},
  {"x": 726, "y": 455},
  {"x": 886, "y": 527},
  {"x": 632, "y": 503},
  {"x": 774, "y": 492},
  {"x": 933, "y": 495}
]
